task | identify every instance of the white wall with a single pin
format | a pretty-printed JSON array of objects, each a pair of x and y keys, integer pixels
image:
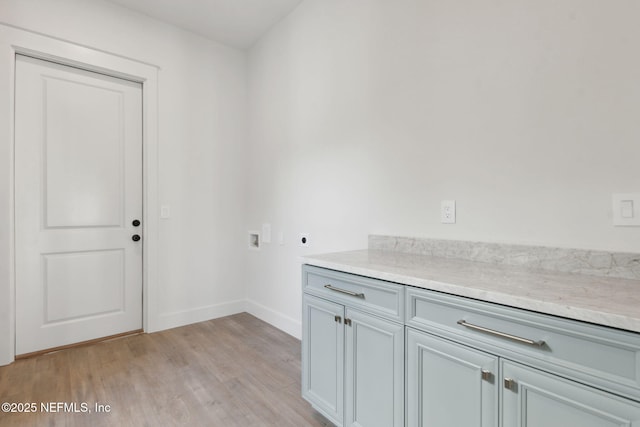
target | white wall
[
  {"x": 365, "y": 114},
  {"x": 202, "y": 126}
]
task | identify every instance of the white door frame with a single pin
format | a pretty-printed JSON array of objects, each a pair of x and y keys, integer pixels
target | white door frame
[{"x": 18, "y": 41}]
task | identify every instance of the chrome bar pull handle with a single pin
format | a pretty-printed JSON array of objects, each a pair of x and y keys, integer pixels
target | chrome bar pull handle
[
  {"x": 527, "y": 341},
  {"x": 338, "y": 319},
  {"x": 344, "y": 291},
  {"x": 486, "y": 375}
]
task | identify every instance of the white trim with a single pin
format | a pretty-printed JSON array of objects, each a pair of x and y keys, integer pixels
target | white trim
[
  {"x": 281, "y": 321},
  {"x": 14, "y": 40},
  {"x": 200, "y": 314}
]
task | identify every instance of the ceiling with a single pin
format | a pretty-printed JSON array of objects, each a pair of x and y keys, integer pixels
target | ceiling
[{"x": 238, "y": 23}]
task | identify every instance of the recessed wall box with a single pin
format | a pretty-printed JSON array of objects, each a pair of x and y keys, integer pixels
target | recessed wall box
[{"x": 254, "y": 240}]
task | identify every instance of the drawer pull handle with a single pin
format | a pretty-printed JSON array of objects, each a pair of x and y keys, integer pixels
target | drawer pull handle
[
  {"x": 509, "y": 384},
  {"x": 344, "y": 291},
  {"x": 464, "y": 323}
]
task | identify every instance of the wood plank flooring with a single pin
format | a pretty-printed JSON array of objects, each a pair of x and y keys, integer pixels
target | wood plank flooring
[{"x": 232, "y": 371}]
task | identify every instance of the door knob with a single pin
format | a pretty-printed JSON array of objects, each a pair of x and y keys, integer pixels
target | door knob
[
  {"x": 135, "y": 223},
  {"x": 135, "y": 237}
]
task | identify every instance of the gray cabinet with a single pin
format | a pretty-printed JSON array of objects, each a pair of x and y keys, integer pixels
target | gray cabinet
[
  {"x": 449, "y": 384},
  {"x": 464, "y": 362},
  {"x": 374, "y": 371},
  {"x": 553, "y": 372},
  {"x": 534, "y": 398},
  {"x": 353, "y": 349},
  {"x": 323, "y": 356}
]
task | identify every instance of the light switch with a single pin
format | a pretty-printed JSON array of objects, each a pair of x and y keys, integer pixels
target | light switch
[
  {"x": 626, "y": 209},
  {"x": 165, "y": 211}
]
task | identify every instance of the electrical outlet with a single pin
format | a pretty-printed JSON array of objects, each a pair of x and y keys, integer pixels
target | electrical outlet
[{"x": 448, "y": 212}]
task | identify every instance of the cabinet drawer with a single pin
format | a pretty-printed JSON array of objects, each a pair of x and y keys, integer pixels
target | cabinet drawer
[
  {"x": 606, "y": 357},
  {"x": 374, "y": 296}
]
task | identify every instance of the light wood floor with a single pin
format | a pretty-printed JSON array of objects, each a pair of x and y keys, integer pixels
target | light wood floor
[{"x": 233, "y": 371}]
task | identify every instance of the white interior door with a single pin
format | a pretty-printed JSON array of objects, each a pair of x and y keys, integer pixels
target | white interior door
[{"x": 78, "y": 181}]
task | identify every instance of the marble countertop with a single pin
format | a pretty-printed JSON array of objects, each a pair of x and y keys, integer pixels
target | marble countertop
[{"x": 608, "y": 301}]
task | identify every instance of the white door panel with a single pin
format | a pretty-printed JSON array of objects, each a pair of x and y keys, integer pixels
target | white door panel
[
  {"x": 83, "y": 284},
  {"x": 83, "y": 153},
  {"x": 78, "y": 180}
]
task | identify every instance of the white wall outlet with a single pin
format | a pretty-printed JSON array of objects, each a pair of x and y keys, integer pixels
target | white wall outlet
[
  {"x": 303, "y": 240},
  {"x": 448, "y": 212},
  {"x": 626, "y": 209},
  {"x": 266, "y": 233}
]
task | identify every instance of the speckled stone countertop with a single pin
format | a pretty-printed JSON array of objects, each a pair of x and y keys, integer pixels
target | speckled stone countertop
[{"x": 609, "y": 301}]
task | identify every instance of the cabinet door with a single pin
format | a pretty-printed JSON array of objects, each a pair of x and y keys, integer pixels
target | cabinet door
[
  {"x": 449, "y": 384},
  {"x": 323, "y": 356},
  {"x": 374, "y": 371},
  {"x": 533, "y": 398}
]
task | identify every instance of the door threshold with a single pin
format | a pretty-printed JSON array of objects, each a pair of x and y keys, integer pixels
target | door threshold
[{"x": 77, "y": 344}]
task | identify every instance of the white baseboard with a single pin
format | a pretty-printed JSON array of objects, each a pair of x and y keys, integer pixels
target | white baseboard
[
  {"x": 176, "y": 319},
  {"x": 200, "y": 314},
  {"x": 285, "y": 323}
]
